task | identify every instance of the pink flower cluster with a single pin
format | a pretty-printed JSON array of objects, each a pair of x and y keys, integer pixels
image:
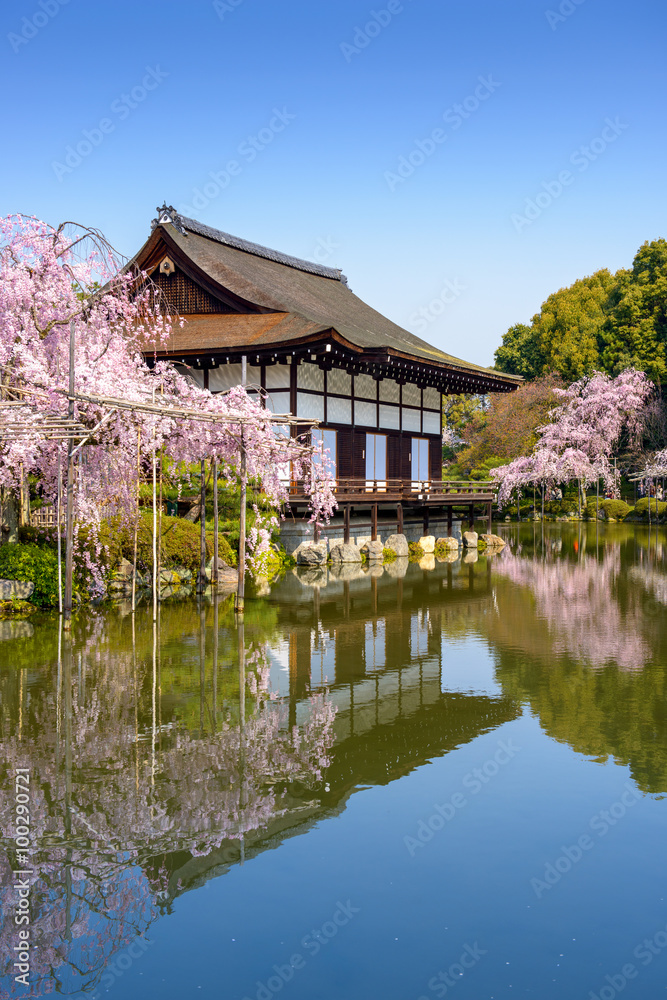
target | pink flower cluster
[
  {"x": 50, "y": 280},
  {"x": 578, "y": 442}
]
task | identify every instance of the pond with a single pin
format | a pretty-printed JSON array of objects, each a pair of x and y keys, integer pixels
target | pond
[{"x": 405, "y": 784}]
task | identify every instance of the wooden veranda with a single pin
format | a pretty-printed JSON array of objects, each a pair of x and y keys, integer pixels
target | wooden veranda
[{"x": 424, "y": 495}]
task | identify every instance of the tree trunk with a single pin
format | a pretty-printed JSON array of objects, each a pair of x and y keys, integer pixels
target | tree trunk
[{"x": 9, "y": 518}]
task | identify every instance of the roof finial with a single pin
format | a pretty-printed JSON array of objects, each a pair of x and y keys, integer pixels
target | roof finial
[{"x": 167, "y": 215}]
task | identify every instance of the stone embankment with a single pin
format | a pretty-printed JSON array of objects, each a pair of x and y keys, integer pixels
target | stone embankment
[{"x": 395, "y": 548}]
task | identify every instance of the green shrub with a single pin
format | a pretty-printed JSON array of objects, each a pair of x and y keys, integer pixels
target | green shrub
[
  {"x": 617, "y": 509},
  {"x": 388, "y": 555},
  {"x": 658, "y": 507},
  {"x": 32, "y": 563},
  {"x": 180, "y": 543},
  {"x": 16, "y": 609},
  {"x": 44, "y": 537},
  {"x": 416, "y": 552}
]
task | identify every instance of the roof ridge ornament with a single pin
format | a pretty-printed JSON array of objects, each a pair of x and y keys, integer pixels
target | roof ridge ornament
[{"x": 167, "y": 215}]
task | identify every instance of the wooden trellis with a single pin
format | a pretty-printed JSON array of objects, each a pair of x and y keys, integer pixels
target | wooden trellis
[{"x": 22, "y": 421}]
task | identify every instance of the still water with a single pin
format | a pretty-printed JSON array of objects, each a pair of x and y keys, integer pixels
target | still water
[{"x": 408, "y": 785}]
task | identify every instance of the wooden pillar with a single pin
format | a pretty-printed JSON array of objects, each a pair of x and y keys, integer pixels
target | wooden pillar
[
  {"x": 399, "y": 519},
  {"x": 69, "y": 513},
  {"x": 449, "y": 521},
  {"x": 426, "y": 520},
  {"x": 346, "y": 523},
  {"x": 201, "y": 583},
  {"x": 239, "y": 603},
  {"x": 488, "y": 518},
  {"x": 216, "y": 524},
  {"x": 471, "y": 516},
  {"x": 374, "y": 522}
]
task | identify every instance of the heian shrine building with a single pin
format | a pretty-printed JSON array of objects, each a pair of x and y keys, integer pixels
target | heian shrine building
[{"x": 315, "y": 350}]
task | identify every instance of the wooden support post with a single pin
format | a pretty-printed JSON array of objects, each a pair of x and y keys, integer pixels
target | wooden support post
[
  {"x": 202, "y": 527},
  {"x": 471, "y": 516},
  {"x": 374, "y": 522},
  {"x": 155, "y": 576},
  {"x": 136, "y": 526},
  {"x": 216, "y": 525},
  {"x": 346, "y": 523},
  {"x": 399, "y": 519},
  {"x": 449, "y": 521},
  {"x": 59, "y": 535},
  {"x": 488, "y": 517},
  {"x": 239, "y": 605},
  {"x": 426, "y": 520},
  {"x": 69, "y": 510},
  {"x": 240, "y": 593}
]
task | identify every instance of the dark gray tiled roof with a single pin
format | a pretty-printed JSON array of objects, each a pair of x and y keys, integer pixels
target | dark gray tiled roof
[{"x": 167, "y": 214}]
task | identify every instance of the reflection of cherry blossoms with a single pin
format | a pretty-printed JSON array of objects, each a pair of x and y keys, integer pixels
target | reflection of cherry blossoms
[
  {"x": 579, "y": 604},
  {"x": 113, "y": 788}
]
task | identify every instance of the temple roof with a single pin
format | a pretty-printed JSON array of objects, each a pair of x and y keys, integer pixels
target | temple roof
[{"x": 273, "y": 299}]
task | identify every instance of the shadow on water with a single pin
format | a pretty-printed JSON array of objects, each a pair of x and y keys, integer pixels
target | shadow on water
[{"x": 161, "y": 758}]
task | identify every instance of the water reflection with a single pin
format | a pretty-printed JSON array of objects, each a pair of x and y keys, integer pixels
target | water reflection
[{"x": 160, "y": 759}]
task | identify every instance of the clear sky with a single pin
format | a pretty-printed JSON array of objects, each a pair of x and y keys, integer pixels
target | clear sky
[{"x": 462, "y": 158}]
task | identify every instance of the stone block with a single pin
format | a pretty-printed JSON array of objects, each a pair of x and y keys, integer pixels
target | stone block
[
  {"x": 361, "y": 540},
  {"x": 427, "y": 561},
  {"x": 19, "y": 589},
  {"x": 311, "y": 553},
  {"x": 491, "y": 542},
  {"x": 427, "y": 543},
  {"x": 125, "y": 570},
  {"x": 471, "y": 556},
  {"x": 345, "y": 553},
  {"x": 470, "y": 539},
  {"x": 372, "y": 551},
  {"x": 448, "y": 543},
  {"x": 397, "y": 544}
]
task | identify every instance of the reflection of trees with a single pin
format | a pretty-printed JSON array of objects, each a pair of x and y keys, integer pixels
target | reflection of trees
[
  {"x": 580, "y": 643},
  {"x": 118, "y": 785},
  {"x": 580, "y": 605}
]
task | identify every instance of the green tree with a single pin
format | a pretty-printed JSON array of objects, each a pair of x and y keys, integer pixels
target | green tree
[
  {"x": 635, "y": 333},
  {"x": 520, "y": 352},
  {"x": 605, "y": 322}
]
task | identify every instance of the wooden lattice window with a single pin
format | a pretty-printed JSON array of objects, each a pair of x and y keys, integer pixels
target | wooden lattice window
[{"x": 184, "y": 296}]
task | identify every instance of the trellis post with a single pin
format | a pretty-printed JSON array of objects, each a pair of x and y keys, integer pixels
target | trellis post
[
  {"x": 69, "y": 515},
  {"x": 240, "y": 593},
  {"x": 216, "y": 523}
]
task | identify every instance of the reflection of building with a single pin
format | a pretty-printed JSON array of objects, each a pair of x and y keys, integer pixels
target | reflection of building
[{"x": 381, "y": 661}]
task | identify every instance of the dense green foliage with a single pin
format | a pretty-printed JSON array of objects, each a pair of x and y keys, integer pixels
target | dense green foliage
[
  {"x": 658, "y": 507},
  {"x": 605, "y": 322},
  {"x": 180, "y": 543},
  {"x": 34, "y": 563},
  {"x": 615, "y": 509}
]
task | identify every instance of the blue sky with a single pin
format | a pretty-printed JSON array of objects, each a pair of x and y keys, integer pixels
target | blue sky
[{"x": 551, "y": 167}]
